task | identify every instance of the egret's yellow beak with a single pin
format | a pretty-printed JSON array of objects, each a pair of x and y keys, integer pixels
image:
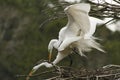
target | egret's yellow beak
[
  {"x": 50, "y": 56},
  {"x": 30, "y": 74}
]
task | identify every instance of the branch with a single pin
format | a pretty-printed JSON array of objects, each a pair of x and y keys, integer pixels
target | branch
[
  {"x": 105, "y": 10},
  {"x": 109, "y": 72},
  {"x": 117, "y": 1},
  {"x": 39, "y": 74},
  {"x": 99, "y": 10}
]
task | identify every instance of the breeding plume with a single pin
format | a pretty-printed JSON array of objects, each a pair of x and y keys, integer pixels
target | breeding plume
[{"x": 77, "y": 34}]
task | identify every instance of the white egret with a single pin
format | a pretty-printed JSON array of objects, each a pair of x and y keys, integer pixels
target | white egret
[{"x": 76, "y": 34}]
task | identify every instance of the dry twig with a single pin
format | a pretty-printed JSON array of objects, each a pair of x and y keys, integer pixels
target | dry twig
[{"x": 109, "y": 72}]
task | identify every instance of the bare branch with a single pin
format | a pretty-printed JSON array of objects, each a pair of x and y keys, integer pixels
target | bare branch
[
  {"x": 99, "y": 10},
  {"x": 118, "y": 1},
  {"x": 108, "y": 72},
  {"x": 105, "y": 10},
  {"x": 39, "y": 74}
]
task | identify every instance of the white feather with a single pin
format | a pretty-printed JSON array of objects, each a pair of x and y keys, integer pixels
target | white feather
[
  {"x": 78, "y": 33},
  {"x": 78, "y": 19}
]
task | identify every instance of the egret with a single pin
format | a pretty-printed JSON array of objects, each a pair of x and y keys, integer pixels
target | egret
[{"x": 78, "y": 33}]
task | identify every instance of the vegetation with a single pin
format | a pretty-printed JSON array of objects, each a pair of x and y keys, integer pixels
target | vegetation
[{"x": 24, "y": 41}]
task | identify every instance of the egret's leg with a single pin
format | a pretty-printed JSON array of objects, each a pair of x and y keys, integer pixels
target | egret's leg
[
  {"x": 52, "y": 44},
  {"x": 71, "y": 61},
  {"x": 67, "y": 42},
  {"x": 59, "y": 57}
]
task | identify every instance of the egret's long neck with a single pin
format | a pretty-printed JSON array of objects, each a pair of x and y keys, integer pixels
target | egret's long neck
[
  {"x": 70, "y": 20},
  {"x": 51, "y": 44}
]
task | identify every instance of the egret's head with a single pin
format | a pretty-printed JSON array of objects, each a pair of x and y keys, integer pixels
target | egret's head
[{"x": 50, "y": 48}]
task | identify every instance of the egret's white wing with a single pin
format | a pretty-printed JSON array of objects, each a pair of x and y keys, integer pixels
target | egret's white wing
[
  {"x": 78, "y": 19},
  {"x": 67, "y": 42},
  {"x": 93, "y": 24}
]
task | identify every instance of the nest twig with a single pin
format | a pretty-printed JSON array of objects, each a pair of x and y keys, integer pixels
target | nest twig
[{"x": 109, "y": 72}]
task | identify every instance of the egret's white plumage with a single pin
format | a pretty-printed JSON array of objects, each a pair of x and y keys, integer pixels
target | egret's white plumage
[{"x": 78, "y": 33}]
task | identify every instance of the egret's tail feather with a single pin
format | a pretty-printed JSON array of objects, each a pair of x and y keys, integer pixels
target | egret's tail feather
[
  {"x": 96, "y": 45},
  {"x": 85, "y": 45}
]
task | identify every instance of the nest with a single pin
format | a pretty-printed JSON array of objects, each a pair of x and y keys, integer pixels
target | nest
[{"x": 109, "y": 72}]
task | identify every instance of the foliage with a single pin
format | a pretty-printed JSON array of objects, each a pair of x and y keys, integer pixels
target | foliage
[{"x": 23, "y": 42}]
